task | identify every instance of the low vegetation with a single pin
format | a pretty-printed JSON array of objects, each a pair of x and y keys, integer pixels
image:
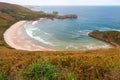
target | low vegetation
[
  {"x": 42, "y": 70},
  {"x": 101, "y": 64},
  {"x": 3, "y": 76}
]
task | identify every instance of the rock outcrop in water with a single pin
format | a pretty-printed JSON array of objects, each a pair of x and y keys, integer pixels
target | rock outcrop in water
[
  {"x": 112, "y": 37},
  {"x": 66, "y": 16},
  {"x": 56, "y": 15}
]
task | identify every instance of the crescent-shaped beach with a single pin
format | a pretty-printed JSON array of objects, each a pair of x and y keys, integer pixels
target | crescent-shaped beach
[{"x": 12, "y": 38}]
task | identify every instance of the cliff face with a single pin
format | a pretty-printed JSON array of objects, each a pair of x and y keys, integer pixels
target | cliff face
[{"x": 112, "y": 37}]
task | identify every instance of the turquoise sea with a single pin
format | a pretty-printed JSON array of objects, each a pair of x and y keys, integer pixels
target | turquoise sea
[{"x": 72, "y": 34}]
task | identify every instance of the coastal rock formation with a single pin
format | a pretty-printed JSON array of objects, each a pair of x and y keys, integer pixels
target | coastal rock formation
[
  {"x": 66, "y": 16},
  {"x": 55, "y": 12},
  {"x": 112, "y": 37},
  {"x": 57, "y": 16}
]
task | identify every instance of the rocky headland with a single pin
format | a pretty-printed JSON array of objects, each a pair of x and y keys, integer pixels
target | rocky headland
[{"x": 111, "y": 37}]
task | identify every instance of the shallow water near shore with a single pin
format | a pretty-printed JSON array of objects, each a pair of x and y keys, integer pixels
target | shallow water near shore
[{"x": 72, "y": 34}]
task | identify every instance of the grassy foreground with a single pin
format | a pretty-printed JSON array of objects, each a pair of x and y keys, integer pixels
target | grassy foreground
[{"x": 101, "y": 64}]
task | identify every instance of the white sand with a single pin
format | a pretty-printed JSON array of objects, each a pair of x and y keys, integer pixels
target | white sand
[{"x": 13, "y": 39}]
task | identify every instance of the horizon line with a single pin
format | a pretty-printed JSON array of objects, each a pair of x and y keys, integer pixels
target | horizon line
[{"x": 67, "y": 5}]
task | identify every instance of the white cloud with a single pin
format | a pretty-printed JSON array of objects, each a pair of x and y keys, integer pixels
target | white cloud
[{"x": 64, "y": 2}]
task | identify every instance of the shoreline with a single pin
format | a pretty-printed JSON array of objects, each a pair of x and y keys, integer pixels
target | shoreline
[{"x": 13, "y": 39}]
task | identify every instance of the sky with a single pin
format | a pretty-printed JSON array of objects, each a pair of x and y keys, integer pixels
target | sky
[{"x": 63, "y": 2}]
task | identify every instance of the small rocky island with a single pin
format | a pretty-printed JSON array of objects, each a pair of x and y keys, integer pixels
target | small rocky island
[
  {"x": 66, "y": 16},
  {"x": 57, "y": 16},
  {"x": 112, "y": 37}
]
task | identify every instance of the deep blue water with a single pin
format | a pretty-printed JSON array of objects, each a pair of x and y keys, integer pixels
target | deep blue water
[{"x": 73, "y": 33}]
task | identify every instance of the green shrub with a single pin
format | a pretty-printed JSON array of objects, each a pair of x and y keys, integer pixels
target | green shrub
[
  {"x": 43, "y": 70},
  {"x": 3, "y": 76}
]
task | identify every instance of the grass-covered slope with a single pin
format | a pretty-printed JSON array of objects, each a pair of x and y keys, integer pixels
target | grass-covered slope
[
  {"x": 112, "y": 37},
  {"x": 101, "y": 64},
  {"x": 18, "y": 12}
]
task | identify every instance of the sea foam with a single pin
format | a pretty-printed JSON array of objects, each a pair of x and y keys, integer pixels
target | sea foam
[
  {"x": 84, "y": 32},
  {"x": 71, "y": 46},
  {"x": 29, "y": 30},
  {"x": 95, "y": 46},
  {"x": 34, "y": 22}
]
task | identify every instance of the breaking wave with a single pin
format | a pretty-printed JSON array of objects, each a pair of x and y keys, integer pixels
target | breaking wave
[
  {"x": 29, "y": 32},
  {"x": 34, "y": 22},
  {"x": 95, "y": 46}
]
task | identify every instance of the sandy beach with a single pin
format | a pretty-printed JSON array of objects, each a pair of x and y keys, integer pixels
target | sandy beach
[{"x": 13, "y": 39}]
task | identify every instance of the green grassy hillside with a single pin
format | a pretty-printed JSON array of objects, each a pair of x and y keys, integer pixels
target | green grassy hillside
[{"x": 19, "y": 12}]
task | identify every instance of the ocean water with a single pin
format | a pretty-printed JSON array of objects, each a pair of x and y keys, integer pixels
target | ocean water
[{"x": 72, "y": 34}]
